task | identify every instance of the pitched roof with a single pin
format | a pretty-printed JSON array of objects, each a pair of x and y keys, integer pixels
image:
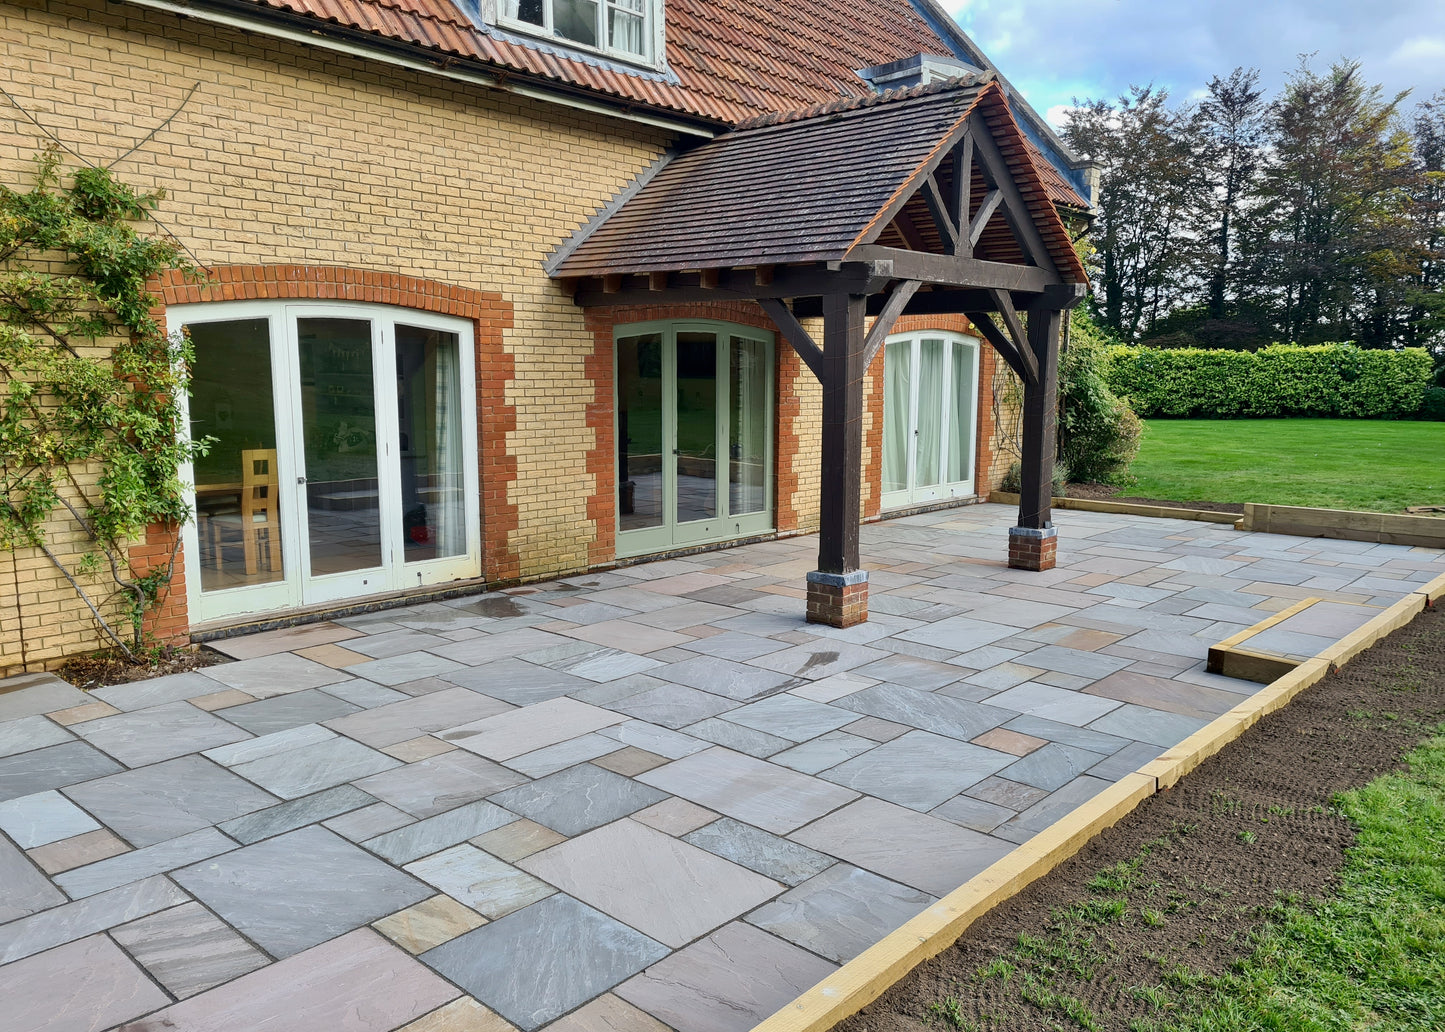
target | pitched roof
[{"x": 809, "y": 186}]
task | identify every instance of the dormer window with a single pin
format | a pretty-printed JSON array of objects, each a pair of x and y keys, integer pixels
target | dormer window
[{"x": 622, "y": 28}]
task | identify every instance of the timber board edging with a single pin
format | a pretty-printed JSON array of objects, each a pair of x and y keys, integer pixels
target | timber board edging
[{"x": 1165, "y": 512}]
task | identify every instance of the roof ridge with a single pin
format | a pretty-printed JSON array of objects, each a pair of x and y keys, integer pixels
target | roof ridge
[{"x": 845, "y": 104}]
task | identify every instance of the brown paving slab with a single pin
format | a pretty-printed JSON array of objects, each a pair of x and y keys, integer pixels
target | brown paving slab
[
  {"x": 1088, "y": 640},
  {"x": 1008, "y": 741},
  {"x": 631, "y": 761},
  {"x": 1190, "y": 700},
  {"x": 421, "y": 748},
  {"x": 77, "y": 852},
  {"x": 877, "y": 729},
  {"x": 429, "y": 923},
  {"x": 221, "y": 700},
  {"x": 287, "y": 639},
  {"x": 334, "y": 656},
  {"x": 630, "y": 636},
  {"x": 1092, "y": 580},
  {"x": 357, "y": 983},
  {"x": 608, "y": 1014},
  {"x": 461, "y": 1015},
  {"x": 675, "y": 816},
  {"x": 80, "y": 714},
  {"x": 520, "y": 838},
  {"x": 82, "y": 986}
]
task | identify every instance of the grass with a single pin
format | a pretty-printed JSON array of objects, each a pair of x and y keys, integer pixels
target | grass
[{"x": 1370, "y": 465}]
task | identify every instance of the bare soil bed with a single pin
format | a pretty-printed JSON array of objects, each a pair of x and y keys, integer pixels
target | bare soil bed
[
  {"x": 1178, "y": 888},
  {"x": 1110, "y": 493},
  {"x": 107, "y": 668}
]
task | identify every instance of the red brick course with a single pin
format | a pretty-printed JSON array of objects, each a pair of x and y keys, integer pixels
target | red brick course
[{"x": 838, "y": 605}]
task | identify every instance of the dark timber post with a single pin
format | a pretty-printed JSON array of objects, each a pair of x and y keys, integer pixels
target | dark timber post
[
  {"x": 838, "y": 589},
  {"x": 1033, "y": 544}
]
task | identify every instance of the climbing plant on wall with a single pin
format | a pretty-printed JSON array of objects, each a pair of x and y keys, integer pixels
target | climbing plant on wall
[{"x": 90, "y": 436}]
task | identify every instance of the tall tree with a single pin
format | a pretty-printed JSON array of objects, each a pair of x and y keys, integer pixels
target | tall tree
[
  {"x": 1426, "y": 322},
  {"x": 1150, "y": 192},
  {"x": 1232, "y": 126}
]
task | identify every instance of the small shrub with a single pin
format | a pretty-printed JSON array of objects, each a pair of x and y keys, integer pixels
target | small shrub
[
  {"x": 1012, "y": 480},
  {"x": 1098, "y": 430},
  {"x": 1432, "y": 405}
]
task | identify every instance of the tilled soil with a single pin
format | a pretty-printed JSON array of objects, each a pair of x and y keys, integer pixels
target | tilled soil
[
  {"x": 1250, "y": 827},
  {"x": 1110, "y": 493},
  {"x": 105, "y": 669}
]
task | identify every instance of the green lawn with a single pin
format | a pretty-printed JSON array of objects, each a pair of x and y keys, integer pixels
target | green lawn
[{"x": 1374, "y": 465}]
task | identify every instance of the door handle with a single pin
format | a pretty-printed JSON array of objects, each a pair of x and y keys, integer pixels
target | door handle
[{"x": 300, "y": 480}]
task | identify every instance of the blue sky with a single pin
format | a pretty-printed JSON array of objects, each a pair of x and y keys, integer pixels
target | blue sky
[{"x": 1054, "y": 51}]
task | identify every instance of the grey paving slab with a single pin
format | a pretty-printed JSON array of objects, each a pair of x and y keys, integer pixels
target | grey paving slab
[
  {"x": 42, "y": 818},
  {"x": 1051, "y": 808},
  {"x": 279, "y": 674},
  {"x": 1126, "y": 761},
  {"x": 188, "y": 950},
  {"x": 1144, "y": 724},
  {"x": 286, "y": 639},
  {"x": 723, "y": 677},
  {"x": 142, "y": 863},
  {"x": 840, "y": 913},
  {"x": 88, "y": 985},
  {"x": 53, "y": 767},
  {"x": 1051, "y": 767},
  {"x": 396, "y": 643},
  {"x": 608, "y": 1013},
  {"x": 282, "y": 712},
  {"x": 31, "y": 935},
  {"x": 409, "y": 666},
  {"x": 973, "y": 813},
  {"x": 518, "y": 682},
  {"x": 157, "y": 691},
  {"x": 757, "y": 850},
  {"x": 530, "y": 728},
  {"x": 359, "y": 981},
  {"x": 29, "y": 695},
  {"x": 790, "y": 717},
  {"x": 294, "y": 891},
  {"x": 639, "y": 734},
  {"x": 544, "y": 960},
  {"x": 918, "y": 770},
  {"x": 274, "y": 744},
  {"x": 26, "y": 734},
  {"x": 411, "y": 718},
  {"x": 666, "y": 888},
  {"x": 491, "y": 887},
  {"x": 1005, "y": 793},
  {"x": 550, "y": 759},
  {"x": 751, "y": 790},
  {"x": 310, "y": 768},
  {"x": 911, "y": 671},
  {"x": 728, "y": 982},
  {"x": 958, "y": 633},
  {"x": 296, "y": 813},
  {"x": 439, "y": 784},
  {"x": 819, "y": 659},
  {"x": 366, "y": 695},
  {"x": 823, "y": 752},
  {"x": 369, "y": 821},
  {"x": 1163, "y": 693},
  {"x": 578, "y": 799},
  {"x": 159, "y": 733},
  {"x": 673, "y": 705},
  {"x": 1066, "y": 734},
  {"x": 608, "y": 665},
  {"x": 1061, "y": 705},
  {"x": 925, "y": 852},
  {"x": 26, "y": 890},
  {"x": 163, "y": 801},
  {"x": 1075, "y": 661},
  {"x": 736, "y": 737},
  {"x": 927, "y": 711},
  {"x": 414, "y": 841},
  {"x": 736, "y": 646}
]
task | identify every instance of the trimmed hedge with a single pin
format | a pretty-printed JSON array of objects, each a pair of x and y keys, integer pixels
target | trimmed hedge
[{"x": 1282, "y": 380}]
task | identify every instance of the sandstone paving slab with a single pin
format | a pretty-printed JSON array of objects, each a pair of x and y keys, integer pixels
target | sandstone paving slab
[
  {"x": 287, "y": 639},
  {"x": 42, "y": 818},
  {"x": 666, "y": 888},
  {"x": 274, "y": 744},
  {"x": 423, "y": 747},
  {"x": 53, "y": 767},
  {"x": 367, "y": 695},
  {"x": 1051, "y": 767},
  {"x": 918, "y": 770},
  {"x": 608, "y": 665},
  {"x": 876, "y": 729},
  {"x": 296, "y": 813},
  {"x": 441, "y": 783},
  {"x": 1066, "y": 734},
  {"x": 552, "y": 758},
  {"x": 650, "y": 738},
  {"x": 736, "y": 646},
  {"x": 544, "y": 960},
  {"x": 271, "y": 675},
  {"x": 143, "y": 737},
  {"x": 29, "y": 695},
  {"x": 757, "y": 850},
  {"x": 1061, "y": 705},
  {"x": 674, "y": 816},
  {"x": 26, "y": 734},
  {"x": 138, "y": 864},
  {"x": 1051, "y": 808},
  {"x": 157, "y": 691},
  {"x": 77, "y": 851},
  {"x": 728, "y": 982},
  {"x": 1145, "y": 724},
  {"x": 411, "y": 718},
  {"x": 310, "y": 768},
  {"x": 518, "y": 682},
  {"x": 636, "y": 636},
  {"x": 817, "y": 755},
  {"x": 39, "y": 932},
  {"x": 630, "y": 761},
  {"x": 513, "y": 841},
  {"x": 790, "y": 717},
  {"x": 165, "y": 800},
  {"x": 841, "y": 912},
  {"x": 395, "y": 643},
  {"x": 369, "y": 822},
  {"x": 819, "y": 659},
  {"x": 607, "y": 1013},
  {"x": 409, "y": 666},
  {"x": 414, "y": 841},
  {"x": 1164, "y": 694},
  {"x": 903, "y": 845},
  {"x": 88, "y": 985},
  {"x": 958, "y": 633},
  {"x": 283, "y": 712},
  {"x": 188, "y": 950},
  {"x": 929, "y": 711},
  {"x": 26, "y": 890},
  {"x": 530, "y": 728},
  {"x": 488, "y": 885},
  {"x": 974, "y": 814},
  {"x": 750, "y": 790},
  {"x": 910, "y": 671},
  {"x": 501, "y": 645},
  {"x": 356, "y": 983},
  {"x": 294, "y": 891},
  {"x": 578, "y": 799},
  {"x": 1010, "y": 794},
  {"x": 737, "y": 737},
  {"x": 672, "y": 705},
  {"x": 737, "y": 681}
]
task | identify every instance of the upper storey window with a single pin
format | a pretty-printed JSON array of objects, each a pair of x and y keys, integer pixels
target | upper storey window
[{"x": 624, "y": 28}]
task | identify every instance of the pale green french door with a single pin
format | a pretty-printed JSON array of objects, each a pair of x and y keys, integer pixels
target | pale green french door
[
  {"x": 694, "y": 420},
  {"x": 930, "y": 417}
]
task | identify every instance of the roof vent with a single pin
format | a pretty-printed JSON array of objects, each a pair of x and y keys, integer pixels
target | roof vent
[{"x": 918, "y": 70}]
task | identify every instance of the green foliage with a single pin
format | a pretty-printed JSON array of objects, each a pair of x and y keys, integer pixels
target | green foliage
[
  {"x": 1098, "y": 431},
  {"x": 1282, "y": 380},
  {"x": 88, "y": 428},
  {"x": 1432, "y": 404}
]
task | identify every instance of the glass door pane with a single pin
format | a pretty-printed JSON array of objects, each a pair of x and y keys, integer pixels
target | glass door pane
[
  {"x": 639, "y": 432},
  {"x": 338, "y": 416},
  {"x": 238, "y": 507},
  {"x": 897, "y": 419},
  {"x": 961, "y": 414},
  {"x": 429, "y": 414},
  {"x": 696, "y": 449},
  {"x": 928, "y": 430},
  {"x": 748, "y": 431}
]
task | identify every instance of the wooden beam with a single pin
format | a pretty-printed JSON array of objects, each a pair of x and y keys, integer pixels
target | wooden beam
[
  {"x": 962, "y": 192},
  {"x": 842, "y": 472},
  {"x": 763, "y": 275},
  {"x": 857, "y": 277},
  {"x": 942, "y": 218},
  {"x": 1021, "y": 361},
  {"x": 1005, "y": 308},
  {"x": 1036, "y": 480},
  {"x": 911, "y": 235},
  {"x": 950, "y": 270},
  {"x": 793, "y": 332},
  {"x": 611, "y": 284},
  {"x": 897, "y": 301},
  {"x": 990, "y": 204},
  {"x": 657, "y": 281},
  {"x": 708, "y": 278},
  {"x": 1015, "y": 208}
]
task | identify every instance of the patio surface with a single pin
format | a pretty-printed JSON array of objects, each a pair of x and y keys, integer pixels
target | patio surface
[{"x": 621, "y": 801}]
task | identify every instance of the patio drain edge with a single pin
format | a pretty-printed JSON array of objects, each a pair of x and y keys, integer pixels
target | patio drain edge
[{"x": 868, "y": 975}]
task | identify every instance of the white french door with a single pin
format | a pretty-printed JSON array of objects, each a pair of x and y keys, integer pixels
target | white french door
[
  {"x": 930, "y": 417},
  {"x": 344, "y": 460}
]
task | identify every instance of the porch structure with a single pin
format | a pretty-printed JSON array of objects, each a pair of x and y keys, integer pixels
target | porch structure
[{"x": 924, "y": 201}]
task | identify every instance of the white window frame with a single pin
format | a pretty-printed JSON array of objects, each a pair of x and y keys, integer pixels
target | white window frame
[
  {"x": 653, "y": 29},
  {"x": 913, "y": 493}
]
